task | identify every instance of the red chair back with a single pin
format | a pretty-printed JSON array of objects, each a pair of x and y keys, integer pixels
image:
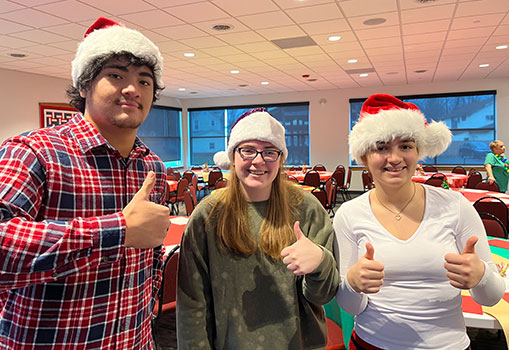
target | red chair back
[
  {"x": 487, "y": 186},
  {"x": 312, "y": 178},
  {"x": 493, "y": 226},
  {"x": 473, "y": 179},
  {"x": 167, "y": 295},
  {"x": 494, "y": 206}
]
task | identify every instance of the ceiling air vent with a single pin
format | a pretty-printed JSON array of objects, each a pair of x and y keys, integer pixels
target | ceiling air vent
[
  {"x": 291, "y": 43},
  {"x": 222, "y": 27}
]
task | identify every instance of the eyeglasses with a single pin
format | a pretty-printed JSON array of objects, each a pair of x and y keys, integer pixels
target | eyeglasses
[{"x": 268, "y": 155}]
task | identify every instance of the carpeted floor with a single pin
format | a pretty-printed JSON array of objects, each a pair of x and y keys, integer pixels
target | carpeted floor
[{"x": 482, "y": 339}]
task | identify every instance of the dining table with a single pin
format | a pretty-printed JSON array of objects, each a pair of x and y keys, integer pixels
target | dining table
[
  {"x": 299, "y": 175},
  {"x": 473, "y": 194},
  {"x": 175, "y": 231},
  {"x": 453, "y": 179},
  {"x": 490, "y": 317},
  {"x": 172, "y": 185}
]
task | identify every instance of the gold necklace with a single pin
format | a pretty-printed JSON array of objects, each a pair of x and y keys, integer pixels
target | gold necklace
[{"x": 397, "y": 215}]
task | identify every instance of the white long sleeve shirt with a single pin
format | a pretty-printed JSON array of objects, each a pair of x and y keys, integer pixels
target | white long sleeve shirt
[{"x": 416, "y": 307}]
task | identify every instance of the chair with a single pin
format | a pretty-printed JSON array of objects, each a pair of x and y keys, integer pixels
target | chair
[
  {"x": 296, "y": 168},
  {"x": 214, "y": 175},
  {"x": 429, "y": 169},
  {"x": 339, "y": 176},
  {"x": 340, "y": 167},
  {"x": 319, "y": 167},
  {"x": 471, "y": 170},
  {"x": 177, "y": 175},
  {"x": 487, "y": 186},
  {"x": 193, "y": 187},
  {"x": 331, "y": 190},
  {"x": 312, "y": 178},
  {"x": 436, "y": 180},
  {"x": 293, "y": 179},
  {"x": 166, "y": 302},
  {"x": 346, "y": 186},
  {"x": 188, "y": 174},
  {"x": 367, "y": 180},
  {"x": 494, "y": 206},
  {"x": 177, "y": 197},
  {"x": 188, "y": 201},
  {"x": 320, "y": 195},
  {"x": 473, "y": 179},
  {"x": 493, "y": 226},
  {"x": 458, "y": 169},
  {"x": 221, "y": 183}
]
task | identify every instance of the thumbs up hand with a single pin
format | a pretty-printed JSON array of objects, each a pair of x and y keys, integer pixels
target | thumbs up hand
[
  {"x": 146, "y": 222},
  {"x": 366, "y": 275},
  {"x": 303, "y": 256},
  {"x": 464, "y": 270}
]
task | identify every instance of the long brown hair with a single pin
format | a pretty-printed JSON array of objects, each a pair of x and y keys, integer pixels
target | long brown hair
[{"x": 277, "y": 228}]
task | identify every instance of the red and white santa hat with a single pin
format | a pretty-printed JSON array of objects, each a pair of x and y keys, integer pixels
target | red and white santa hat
[
  {"x": 384, "y": 117},
  {"x": 255, "y": 124},
  {"x": 106, "y": 36}
]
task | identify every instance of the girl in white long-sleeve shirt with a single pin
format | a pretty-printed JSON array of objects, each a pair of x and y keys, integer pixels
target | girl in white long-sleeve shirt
[{"x": 407, "y": 249}]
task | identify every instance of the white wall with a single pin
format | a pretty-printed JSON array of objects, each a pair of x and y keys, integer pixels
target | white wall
[{"x": 21, "y": 93}]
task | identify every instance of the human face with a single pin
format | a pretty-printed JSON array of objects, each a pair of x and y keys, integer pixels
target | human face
[
  {"x": 257, "y": 175},
  {"x": 119, "y": 97},
  {"x": 499, "y": 148},
  {"x": 392, "y": 163}
]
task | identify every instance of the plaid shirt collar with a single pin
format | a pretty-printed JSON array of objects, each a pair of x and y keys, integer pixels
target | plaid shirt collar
[{"x": 88, "y": 137}]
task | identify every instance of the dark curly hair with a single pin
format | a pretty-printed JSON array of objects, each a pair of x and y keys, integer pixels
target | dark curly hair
[{"x": 94, "y": 68}]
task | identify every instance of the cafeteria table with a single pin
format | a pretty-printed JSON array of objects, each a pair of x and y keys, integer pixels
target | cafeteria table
[
  {"x": 299, "y": 175},
  {"x": 175, "y": 231},
  {"x": 172, "y": 184},
  {"x": 454, "y": 180},
  {"x": 474, "y": 194},
  {"x": 491, "y": 317}
]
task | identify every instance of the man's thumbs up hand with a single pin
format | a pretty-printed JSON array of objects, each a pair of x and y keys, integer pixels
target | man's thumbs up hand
[{"x": 147, "y": 222}]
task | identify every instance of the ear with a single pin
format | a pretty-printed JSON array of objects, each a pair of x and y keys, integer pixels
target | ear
[
  {"x": 83, "y": 93},
  {"x": 364, "y": 161}
]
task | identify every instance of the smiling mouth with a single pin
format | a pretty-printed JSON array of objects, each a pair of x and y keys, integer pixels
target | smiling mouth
[
  {"x": 129, "y": 104},
  {"x": 394, "y": 169},
  {"x": 254, "y": 172}
]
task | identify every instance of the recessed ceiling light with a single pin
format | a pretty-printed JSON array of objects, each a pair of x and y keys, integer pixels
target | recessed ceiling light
[
  {"x": 334, "y": 38},
  {"x": 363, "y": 75},
  {"x": 352, "y": 61},
  {"x": 189, "y": 54},
  {"x": 17, "y": 55},
  {"x": 235, "y": 71},
  {"x": 182, "y": 89},
  {"x": 374, "y": 21},
  {"x": 484, "y": 65},
  {"x": 243, "y": 85},
  {"x": 264, "y": 83},
  {"x": 501, "y": 47},
  {"x": 193, "y": 92}
]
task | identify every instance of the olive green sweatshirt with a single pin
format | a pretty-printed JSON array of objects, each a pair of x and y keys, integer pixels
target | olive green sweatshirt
[{"x": 227, "y": 301}]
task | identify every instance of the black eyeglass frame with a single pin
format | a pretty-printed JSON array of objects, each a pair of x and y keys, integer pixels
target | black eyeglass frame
[{"x": 238, "y": 149}]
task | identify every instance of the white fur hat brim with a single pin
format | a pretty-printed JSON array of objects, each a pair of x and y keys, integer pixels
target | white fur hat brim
[
  {"x": 431, "y": 140},
  {"x": 259, "y": 126},
  {"x": 116, "y": 39}
]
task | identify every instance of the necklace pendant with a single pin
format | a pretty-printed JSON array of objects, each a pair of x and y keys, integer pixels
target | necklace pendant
[{"x": 398, "y": 217}]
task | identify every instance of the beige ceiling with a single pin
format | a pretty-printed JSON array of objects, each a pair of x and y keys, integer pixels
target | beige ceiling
[{"x": 448, "y": 39}]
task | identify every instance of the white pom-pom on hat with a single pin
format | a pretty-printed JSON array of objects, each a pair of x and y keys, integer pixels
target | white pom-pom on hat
[
  {"x": 256, "y": 124},
  {"x": 384, "y": 117},
  {"x": 106, "y": 36}
]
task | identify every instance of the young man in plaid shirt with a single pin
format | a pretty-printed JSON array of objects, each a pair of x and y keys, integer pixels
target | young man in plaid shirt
[{"x": 80, "y": 227}]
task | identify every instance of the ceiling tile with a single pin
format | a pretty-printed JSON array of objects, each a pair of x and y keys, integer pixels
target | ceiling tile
[
  {"x": 257, "y": 47},
  {"x": 7, "y": 6},
  {"x": 71, "y": 10},
  {"x": 266, "y": 20},
  {"x": 483, "y": 32},
  {"x": 291, "y": 31},
  {"x": 288, "y": 4},
  {"x": 431, "y": 13},
  {"x": 119, "y": 7},
  {"x": 315, "y": 13},
  {"x": 477, "y": 21},
  {"x": 197, "y": 12},
  {"x": 241, "y": 38},
  {"x": 355, "y": 8},
  {"x": 37, "y": 19},
  {"x": 69, "y": 30},
  {"x": 203, "y": 42},
  {"x": 240, "y": 8},
  {"x": 39, "y": 36},
  {"x": 333, "y": 26},
  {"x": 473, "y": 8},
  {"x": 184, "y": 31},
  {"x": 152, "y": 19},
  {"x": 426, "y": 27},
  {"x": 382, "y": 32}
]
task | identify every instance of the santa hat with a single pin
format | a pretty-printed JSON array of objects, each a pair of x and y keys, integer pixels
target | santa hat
[
  {"x": 107, "y": 37},
  {"x": 384, "y": 117},
  {"x": 256, "y": 124}
]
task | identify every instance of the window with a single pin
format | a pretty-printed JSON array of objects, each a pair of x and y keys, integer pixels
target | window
[
  {"x": 161, "y": 132},
  {"x": 470, "y": 116},
  {"x": 210, "y": 129}
]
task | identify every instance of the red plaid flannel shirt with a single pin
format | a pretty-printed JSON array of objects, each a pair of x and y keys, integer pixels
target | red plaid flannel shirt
[{"x": 66, "y": 281}]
